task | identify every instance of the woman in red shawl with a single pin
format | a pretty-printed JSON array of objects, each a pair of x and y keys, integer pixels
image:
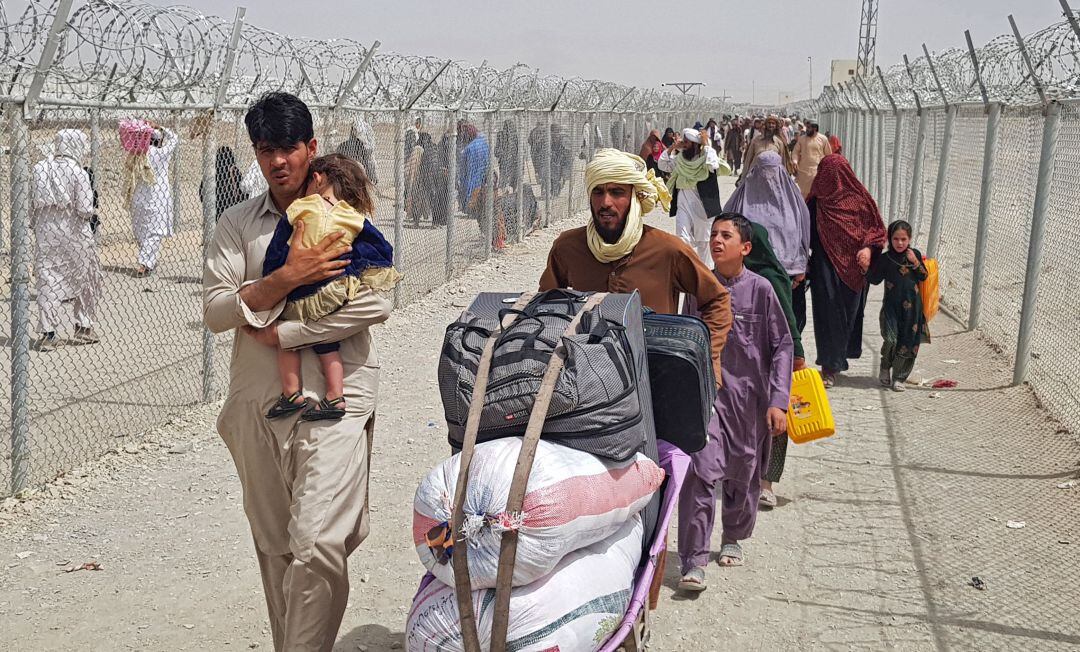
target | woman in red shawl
[
  {"x": 834, "y": 143},
  {"x": 846, "y": 234}
]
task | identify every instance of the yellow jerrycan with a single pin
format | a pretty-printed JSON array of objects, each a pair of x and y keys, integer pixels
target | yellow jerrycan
[{"x": 809, "y": 416}]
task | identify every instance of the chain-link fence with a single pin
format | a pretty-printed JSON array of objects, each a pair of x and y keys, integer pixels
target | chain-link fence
[
  {"x": 981, "y": 153},
  {"x": 102, "y": 309}
]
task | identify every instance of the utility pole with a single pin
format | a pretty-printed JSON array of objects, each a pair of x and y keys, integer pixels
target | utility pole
[
  {"x": 811, "y": 60},
  {"x": 684, "y": 87}
]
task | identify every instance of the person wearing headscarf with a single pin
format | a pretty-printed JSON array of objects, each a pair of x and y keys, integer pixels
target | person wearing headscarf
[
  {"x": 651, "y": 150},
  {"x": 769, "y": 139},
  {"x": 150, "y": 197},
  {"x": 560, "y": 160},
  {"x": 846, "y": 234},
  {"x": 228, "y": 181},
  {"x": 360, "y": 147},
  {"x": 734, "y": 142},
  {"x": 768, "y": 196},
  {"x": 473, "y": 163},
  {"x": 809, "y": 150},
  {"x": 508, "y": 153},
  {"x": 692, "y": 164},
  {"x": 771, "y": 201},
  {"x": 834, "y": 143},
  {"x": 420, "y": 179},
  {"x": 66, "y": 258},
  {"x": 617, "y": 252},
  {"x": 763, "y": 262}
]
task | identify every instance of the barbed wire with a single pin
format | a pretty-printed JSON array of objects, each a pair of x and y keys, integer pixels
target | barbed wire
[
  {"x": 1054, "y": 53},
  {"x": 130, "y": 52}
]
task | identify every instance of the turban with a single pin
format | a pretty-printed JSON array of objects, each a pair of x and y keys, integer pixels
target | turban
[
  {"x": 693, "y": 135},
  {"x": 615, "y": 166}
]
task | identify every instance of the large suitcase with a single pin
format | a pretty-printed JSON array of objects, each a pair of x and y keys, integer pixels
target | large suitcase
[
  {"x": 683, "y": 384},
  {"x": 602, "y": 402}
]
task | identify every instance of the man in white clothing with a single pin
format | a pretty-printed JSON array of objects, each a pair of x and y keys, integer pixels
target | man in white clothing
[
  {"x": 66, "y": 260},
  {"x": 692, "y": 164},
  {"x": 151, "y": 201}
]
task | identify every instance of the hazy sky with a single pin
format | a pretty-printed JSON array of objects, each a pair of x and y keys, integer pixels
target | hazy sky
[{"x": 735, "y": 47}]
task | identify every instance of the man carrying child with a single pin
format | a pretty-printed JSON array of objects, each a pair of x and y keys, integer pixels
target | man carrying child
[
  {"x": 751, "y": 408},
  {"x": 305, "y": 482}
]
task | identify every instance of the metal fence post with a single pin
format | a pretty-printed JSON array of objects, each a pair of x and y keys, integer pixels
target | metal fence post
[
  {"x": 20, "y": 302},
  {"x": 400, "y": 261},
  {"x": 487, "y": 234},
  {"x": 879, "y": 176},
  {"x": 1035, "y": 241},
  {"x": 865, "y": 149},
  {"x": 982, "y": 231},
  {"x": 523, "y": 141},
  {"x": 894, "y": 180},
  {"x": 915, "y": 199},
  {"x": 209, "y": 175},
  {"x": 451, "y": 191},
  {"x": 856, "y": 141},
  {"x": 209, "y": 222},
  {"x": 938, "y": 213},
  {"x": 174, "y": 173},
  {"x": 570, "y": 181},
  {"x": 95, "y": 144},
  {"x": 547, "y": 169}
]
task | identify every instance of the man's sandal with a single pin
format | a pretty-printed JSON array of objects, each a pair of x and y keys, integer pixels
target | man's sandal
[
  {"x": 325, "y": 410},
  {"x": 693, "y": 581},
  {"x": 287, "y": 405},
  {"x": 730, "y": 555}
]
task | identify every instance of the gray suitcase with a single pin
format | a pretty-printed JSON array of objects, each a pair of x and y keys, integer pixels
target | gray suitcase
[{"x": 602, "y": 404}]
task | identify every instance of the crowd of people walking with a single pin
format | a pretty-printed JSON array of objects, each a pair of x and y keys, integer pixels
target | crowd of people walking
[
  {"x": 798, "y": 221},
  {"x": 802, "y": 222}
]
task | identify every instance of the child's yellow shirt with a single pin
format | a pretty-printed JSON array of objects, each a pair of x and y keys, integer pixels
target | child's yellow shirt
[{"x": 321, "y": 219}]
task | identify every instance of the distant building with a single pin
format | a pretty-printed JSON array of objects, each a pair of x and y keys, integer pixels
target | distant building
[{"x": 843, "y": 70}]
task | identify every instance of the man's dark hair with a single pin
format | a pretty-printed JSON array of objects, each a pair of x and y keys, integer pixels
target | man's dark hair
[
  {"x": 741, "y": 224},
  {"x": 279, "y": 120},
  {"x": 812, "y": 125}
]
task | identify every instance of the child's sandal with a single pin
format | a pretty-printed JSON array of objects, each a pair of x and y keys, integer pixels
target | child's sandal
[
  {"x": 286, "y": 405},
  {"x": 325, "y": 410}
]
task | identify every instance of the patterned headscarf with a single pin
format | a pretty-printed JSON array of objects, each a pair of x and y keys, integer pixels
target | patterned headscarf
[{"x": 848, "y": 218}]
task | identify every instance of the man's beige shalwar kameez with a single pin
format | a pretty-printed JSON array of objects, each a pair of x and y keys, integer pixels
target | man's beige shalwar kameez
[
  {"x": 305, "y": 483},
  {"x": 809, "y": 150}
]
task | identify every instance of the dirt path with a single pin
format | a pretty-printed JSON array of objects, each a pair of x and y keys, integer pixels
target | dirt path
[{"x": 879, "y": 531}]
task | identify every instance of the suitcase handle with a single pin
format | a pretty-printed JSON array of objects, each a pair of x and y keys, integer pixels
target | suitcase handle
[{"x": 508, "y": 551}]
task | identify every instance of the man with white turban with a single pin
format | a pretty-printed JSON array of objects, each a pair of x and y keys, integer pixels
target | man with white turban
[
  {"x": 770, "y": 139},
  {"x": 617, "y": 252},
  {"x": 66, "y": 257},
  {"x": 692, "y": 164}
]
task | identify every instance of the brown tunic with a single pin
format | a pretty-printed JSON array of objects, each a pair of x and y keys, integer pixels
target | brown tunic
[{"x": 660, "y": 267}]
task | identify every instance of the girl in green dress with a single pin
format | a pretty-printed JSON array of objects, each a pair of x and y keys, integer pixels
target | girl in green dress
[{"x": 903, "y": 325}]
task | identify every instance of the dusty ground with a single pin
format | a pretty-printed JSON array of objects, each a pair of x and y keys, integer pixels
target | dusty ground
[{"x": 879, "y": 531}]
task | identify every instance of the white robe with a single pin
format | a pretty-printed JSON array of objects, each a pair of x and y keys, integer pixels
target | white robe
[
  {"x": 66, "y": 258},
  {"x": 152, "y": 205}
]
